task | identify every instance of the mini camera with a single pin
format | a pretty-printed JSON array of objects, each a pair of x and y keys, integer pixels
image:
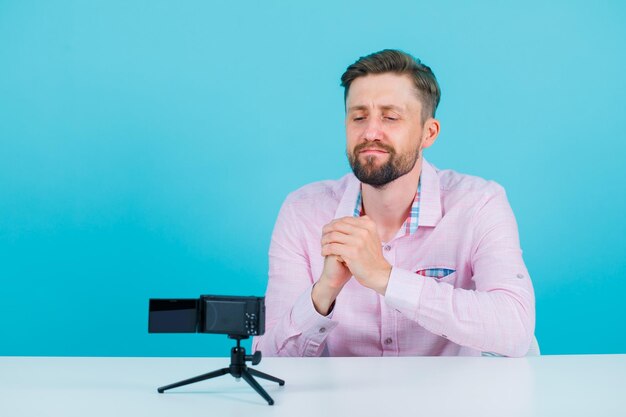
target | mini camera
[{"x": 231, "y": 315}]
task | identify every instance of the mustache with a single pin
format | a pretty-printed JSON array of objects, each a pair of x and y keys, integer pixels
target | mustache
[{"x": 370, "y": 146}]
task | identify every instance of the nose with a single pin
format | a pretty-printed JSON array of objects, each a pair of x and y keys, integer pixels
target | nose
[{"x": 373, "y": 129}]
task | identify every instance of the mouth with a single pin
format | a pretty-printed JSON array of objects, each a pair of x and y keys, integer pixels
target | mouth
[{"x": 372, "y": 151}]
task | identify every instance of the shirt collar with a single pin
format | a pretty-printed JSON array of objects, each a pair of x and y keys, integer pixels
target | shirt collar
[
  {"x": 430, "y": 205},
  {"x": 411, "y": 223},
  {"x": 429, "y": 201}
]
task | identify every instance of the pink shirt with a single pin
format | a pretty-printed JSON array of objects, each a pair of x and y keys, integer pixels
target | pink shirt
[{"x": 465, "y": 225}]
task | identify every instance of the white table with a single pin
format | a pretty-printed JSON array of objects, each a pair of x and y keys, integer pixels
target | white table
[{"x": 585, "y": 385}]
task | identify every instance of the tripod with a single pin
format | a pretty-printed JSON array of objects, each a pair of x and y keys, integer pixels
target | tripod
[{"x": 238, "y": 369}]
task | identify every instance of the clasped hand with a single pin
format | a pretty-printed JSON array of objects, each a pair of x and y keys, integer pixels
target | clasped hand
[{"x": 354, "y": 245}]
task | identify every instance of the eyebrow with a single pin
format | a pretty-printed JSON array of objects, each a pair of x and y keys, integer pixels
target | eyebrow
[{"x": 383, "y": 107}]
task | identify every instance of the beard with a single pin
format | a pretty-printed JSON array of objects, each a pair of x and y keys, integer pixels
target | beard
[{"x": 379, "y": 175}]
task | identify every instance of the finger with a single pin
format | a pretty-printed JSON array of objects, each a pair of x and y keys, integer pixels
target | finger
[
  {"x": 364, "y": 222},
  {"x": 367, "y": 222},
  {"x": 355, "y": 221},
  {"x": 337, "y": 249},
  {"x": 338, "y": 237},
  {"x": 347, "y": 227},
  {"x": 338, "y": 258},
  {"x": 329, "y": 226}
]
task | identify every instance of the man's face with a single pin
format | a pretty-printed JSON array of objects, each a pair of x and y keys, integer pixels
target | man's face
[{"x": 383, "y": 127}]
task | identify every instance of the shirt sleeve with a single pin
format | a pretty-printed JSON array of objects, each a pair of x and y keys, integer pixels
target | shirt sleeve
[
  {"x": 292, "y": 325},
  {"x": 499, "y": 315}
]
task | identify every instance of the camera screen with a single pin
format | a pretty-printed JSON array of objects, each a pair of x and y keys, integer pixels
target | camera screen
[
  {"x": 173, "y": 316},
  {"x": 226, "y": 316}
]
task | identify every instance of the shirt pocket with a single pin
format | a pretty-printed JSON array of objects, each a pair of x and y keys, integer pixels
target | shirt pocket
[{"x": 438, "y": 273}]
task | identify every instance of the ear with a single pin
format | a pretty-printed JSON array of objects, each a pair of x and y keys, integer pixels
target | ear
[{"x": 430, "y": 132}]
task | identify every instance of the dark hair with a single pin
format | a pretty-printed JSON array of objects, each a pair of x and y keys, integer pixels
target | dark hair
[{"x": 398, "y": 62}]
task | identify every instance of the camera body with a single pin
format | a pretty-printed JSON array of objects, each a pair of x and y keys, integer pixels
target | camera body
[{"x": 219, "y": 314}]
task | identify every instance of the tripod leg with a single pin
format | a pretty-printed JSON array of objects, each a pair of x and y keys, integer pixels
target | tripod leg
[
  {"x": 198, "y": 378},
  {"x": 258, "y": 388},
  {"x": 259, "y": 374}
]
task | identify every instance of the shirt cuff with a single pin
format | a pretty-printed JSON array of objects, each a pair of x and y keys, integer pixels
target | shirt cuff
[
  {"x": 404, "y": 290},
  {"x": 314, "y": 327}
]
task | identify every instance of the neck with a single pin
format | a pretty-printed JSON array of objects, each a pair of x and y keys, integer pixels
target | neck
[{"x": 390, "y": 205}]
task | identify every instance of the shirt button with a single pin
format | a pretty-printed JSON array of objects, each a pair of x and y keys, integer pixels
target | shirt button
[
  {"x": 387, "y": 248},
  {"x": 388, "y": 341},
  {"x": 322, "y": 329}
]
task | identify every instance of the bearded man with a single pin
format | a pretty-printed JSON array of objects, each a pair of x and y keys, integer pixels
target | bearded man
[{"x": 398, "y": 258}]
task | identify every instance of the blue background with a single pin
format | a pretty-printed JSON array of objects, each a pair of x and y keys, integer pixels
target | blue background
[{"x": 146, "y": 147}]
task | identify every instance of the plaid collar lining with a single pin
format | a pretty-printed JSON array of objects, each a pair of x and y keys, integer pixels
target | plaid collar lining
[{"x": 411, "y": 223}]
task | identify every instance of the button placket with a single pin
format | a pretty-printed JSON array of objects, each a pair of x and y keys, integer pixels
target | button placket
[
  {"x": 388, "y": 320},
  {"x": 389, "y": 252}
]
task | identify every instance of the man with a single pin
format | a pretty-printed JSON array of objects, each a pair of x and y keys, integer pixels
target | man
[{"x": 400, "y": 258}]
